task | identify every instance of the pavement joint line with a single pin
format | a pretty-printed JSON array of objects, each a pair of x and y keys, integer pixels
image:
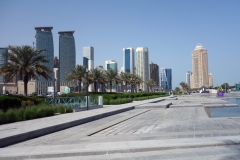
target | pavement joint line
[{"x": 116, "y": 122}]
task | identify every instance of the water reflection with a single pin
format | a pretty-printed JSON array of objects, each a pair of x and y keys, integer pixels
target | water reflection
[{"x": 225, "y": 111}]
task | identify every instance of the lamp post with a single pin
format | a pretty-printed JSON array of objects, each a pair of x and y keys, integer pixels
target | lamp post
[
  {"x": 87, "y": 87},
  {"x": 54, "y": 90}
]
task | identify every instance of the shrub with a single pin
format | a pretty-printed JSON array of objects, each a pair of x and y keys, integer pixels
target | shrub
[
  {"x": 41, "y": 112},
  {"x": 9, "y": 102},
  {"x": 60, "y": 109},
  {"x": 2, "y": 117},
  {"x": 20, "y": 114},
  {"x": 105, "y": 102},
  {"x": 30, "y": 113},
  {"x": 69, "y": 109},
  {"x": 27, "y": 103},
  {"x": 10, "y": 116}
]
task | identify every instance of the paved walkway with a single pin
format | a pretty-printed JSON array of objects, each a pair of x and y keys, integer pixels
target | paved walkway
[
  {"x": 21, "y": 131},
  {"x": 159, "y": 133}
]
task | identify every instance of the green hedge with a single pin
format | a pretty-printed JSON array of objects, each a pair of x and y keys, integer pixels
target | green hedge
[
  {"x": 27, "y": 113},
  {"x": 7, "y": 102}
]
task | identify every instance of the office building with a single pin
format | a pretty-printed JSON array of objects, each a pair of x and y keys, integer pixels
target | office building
[
  {"x": 188, "y": 78},
  {"x": 154, "y": 73},
  {"x": 3, "y": 61},
  {"x": 88, "y": 62},
  {"x": 128, "y": 60},
  {"x": 10, "y": 86},
  {"x": 199, "y": 75},
  {"x": 44, "y": 41},
  {"x": 88, "y": 57},
  {"x": 111, "y": 64},
  {"x": 67, "y": 56},
  {"x": 56, "y": 62},
  {"x": 210, "y": 77},
  {"x": 142, "y": 66},
  {"x": 166, "y": 79}
]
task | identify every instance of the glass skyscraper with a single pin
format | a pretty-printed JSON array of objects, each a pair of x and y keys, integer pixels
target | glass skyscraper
[
  {"x": 166, "y": 79},
  {"x": 128, "y": 60},
  {"x": 88, "y": 54},
  {"x": 44, "y": 41},
  {"x": 3, "y": 61},
  {"x": 67, "y": 55}
]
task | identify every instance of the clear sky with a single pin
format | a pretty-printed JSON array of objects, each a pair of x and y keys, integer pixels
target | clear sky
[{"x": 171, "y": 29}]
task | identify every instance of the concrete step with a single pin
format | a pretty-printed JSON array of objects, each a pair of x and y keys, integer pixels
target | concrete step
[{"x": 163, "y": 104}]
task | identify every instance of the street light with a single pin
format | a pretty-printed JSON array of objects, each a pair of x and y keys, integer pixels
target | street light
[
  {"x": 87, "y": 87},
  {"x": 54, "y": 90}
]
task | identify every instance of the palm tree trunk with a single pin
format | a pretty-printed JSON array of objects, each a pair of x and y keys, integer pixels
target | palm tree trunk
[
  {"x": 79, "y": 86},
  {"x": 95, "y": 87},
  {"x": 110, "y": 86},
  {"x": 25, "y": 80}
]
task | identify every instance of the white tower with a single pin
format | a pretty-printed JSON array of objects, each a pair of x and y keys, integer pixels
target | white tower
[{"x": 142, "y": 66}]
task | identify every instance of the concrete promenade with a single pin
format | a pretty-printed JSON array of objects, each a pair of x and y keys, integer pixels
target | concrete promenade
[
  {"x": 22, "y": 131},
  {"x": 182, "y": 131}
]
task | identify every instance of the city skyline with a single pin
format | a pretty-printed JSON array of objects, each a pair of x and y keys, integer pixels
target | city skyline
[{"x": 171, "y": 30}]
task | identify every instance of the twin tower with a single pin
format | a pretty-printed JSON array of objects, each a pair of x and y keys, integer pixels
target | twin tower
[{"x": 67, "y": 55}]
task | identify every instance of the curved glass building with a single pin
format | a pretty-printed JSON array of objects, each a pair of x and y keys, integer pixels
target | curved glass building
[
  {"x": 44, "y": 41},
  {"x": 67, "y": 55}
]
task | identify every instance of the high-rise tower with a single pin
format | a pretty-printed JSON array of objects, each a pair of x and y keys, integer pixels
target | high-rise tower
[
  {"x": 199, "y": 77},
  {"x": 188, "y": 78},
  {"x": 88, "y": 57},
  {"x": 67, "y": 55},
  {"x": 3, "y": 61},
  {"x": 142, "y": 66},
  {"x": 154, "y": 73},
  {"x": 88, "y": 61},
  {"x": 44, "y": 41},
  {"x": 166, "y": 79},
  {"x": 128, "y": 60}
]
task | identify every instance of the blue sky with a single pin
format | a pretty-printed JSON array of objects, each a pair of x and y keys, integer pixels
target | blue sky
[{"x": 169, "y": 28}]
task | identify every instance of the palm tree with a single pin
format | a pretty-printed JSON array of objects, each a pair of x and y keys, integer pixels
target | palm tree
[
  {"x": 25, "y": 61},
  {"x": 135, "y": 80},
  {"x": 96, "y": 76},
  {"x": 138, "y": 81},
  {"x": 118, "y": 80},
  {"x": 126, "y": 78},
  {"x": 77, "y": 73},
  {"x": 177, "y": 89},
  {"x": 150, "y": 83},
  {"x": 184, "y": 86},
  {"x": 110, "y": 76}
]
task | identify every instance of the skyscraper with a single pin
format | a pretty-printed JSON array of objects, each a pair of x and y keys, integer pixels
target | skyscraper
[
  {"x": 44, "y": 41},
  {"x": 88, "y": 62},
  {"x": 3, "y": 61},
  {"x": 56, "y": 62},
  {"x": 67, "y": 55},
  {"x": 142, "y": 66},
  {"x": 154, "y": 73},
  {"x": 210, "y": 80},
  {"x": 111, "y": 64},
  {"x": 166, "y": 79},
  {"x": 199, "y": 75},
  {"x": 128, "y": 60},
  {"x": 88, "y": 57},
  {"x": 188, "y": 78}
]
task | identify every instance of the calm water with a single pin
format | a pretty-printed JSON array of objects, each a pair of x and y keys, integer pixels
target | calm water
[{"x": 225, "y": 111}]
